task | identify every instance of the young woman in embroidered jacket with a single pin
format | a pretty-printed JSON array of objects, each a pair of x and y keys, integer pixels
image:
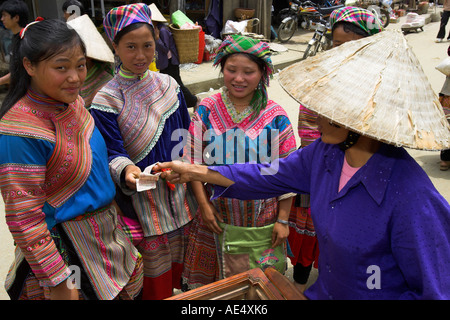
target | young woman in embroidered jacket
[
  {"x": 137, "y": 112},
  {"x": 238, "y": 124},
  {"x": 55, "y": 181}
]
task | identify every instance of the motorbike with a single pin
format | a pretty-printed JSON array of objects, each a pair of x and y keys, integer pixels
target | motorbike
[
  {"x": 380, "y": 8},
  {"x": 307, "y": 13},
  {"x": 321, "y": 40}
]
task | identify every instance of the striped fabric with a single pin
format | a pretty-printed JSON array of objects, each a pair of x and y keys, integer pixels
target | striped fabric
[
  {"x": 214, "y": 120},
  {"x": 52, "y": 163},
  {"x": 307, "y": 127},
  {"x": 35, "y": 116},
  {"x": 98, "y": 76},
  {"x": 118, "y": 18},
  {"x": 162, "y": 210},
  {"x": 107, "y": 255},
  {"x": 162, "y": 255},
  {"x": 200, "y": 266},
  {"x": 109, "y": 260},
  {"x": 213, "y": 116},
  {"x": 142, "y": 108},
  {"x": 149, "y": 102},
  {"x": 66, "y": 175},
  {"x": 70, "y": 129}
]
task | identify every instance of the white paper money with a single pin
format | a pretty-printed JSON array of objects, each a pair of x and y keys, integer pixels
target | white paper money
[{"x": 147, "y": 180}]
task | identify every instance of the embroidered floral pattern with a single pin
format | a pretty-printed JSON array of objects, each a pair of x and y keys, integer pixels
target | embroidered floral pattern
[{"x": 267, "y": 259}]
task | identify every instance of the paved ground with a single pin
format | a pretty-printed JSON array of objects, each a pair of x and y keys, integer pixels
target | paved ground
[{"x": 203, "y": 77}]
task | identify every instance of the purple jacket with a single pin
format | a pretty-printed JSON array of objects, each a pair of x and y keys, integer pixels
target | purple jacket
[
  {"x": 385, "y": 235},
  {"x": 163, "y": 45}
]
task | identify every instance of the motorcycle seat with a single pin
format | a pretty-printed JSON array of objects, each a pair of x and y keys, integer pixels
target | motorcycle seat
[{"x": 328, "y": 10}]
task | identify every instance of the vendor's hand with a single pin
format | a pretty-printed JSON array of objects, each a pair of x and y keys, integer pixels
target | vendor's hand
[
  {"x": 132, "y": 173},
  {"x": 279, "y": 234},
  {"x": 62, "y": 292},
  {"x": 180, "y": 171},
  {"x": 210, "y": 217}
]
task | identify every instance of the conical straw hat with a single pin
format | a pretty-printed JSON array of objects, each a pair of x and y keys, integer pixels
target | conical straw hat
[
  {"x": 96, "y": 46},
  {"x": 374, "y": 86},
  {"x": 156, "y": 14}
]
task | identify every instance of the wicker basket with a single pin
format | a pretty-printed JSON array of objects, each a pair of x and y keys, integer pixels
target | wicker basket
[
  {"x": 186, "y": 41},
  {"x": 244, "y": 13}
]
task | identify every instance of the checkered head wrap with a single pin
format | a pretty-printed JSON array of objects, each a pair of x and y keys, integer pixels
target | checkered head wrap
[
  {"x": 360, "y": 17},
  {"x": 242, "y": 44},
  {"x": 121, "y": 17}
]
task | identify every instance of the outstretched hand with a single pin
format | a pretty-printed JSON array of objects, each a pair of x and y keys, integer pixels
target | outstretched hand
[{"x": 180, "y": 172}]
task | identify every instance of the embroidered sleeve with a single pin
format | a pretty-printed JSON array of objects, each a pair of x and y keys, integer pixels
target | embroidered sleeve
[
  {"x": 287, "y": 144},
  {"x": 21, "y": 186},
  {"x": 118, "y": 157}
]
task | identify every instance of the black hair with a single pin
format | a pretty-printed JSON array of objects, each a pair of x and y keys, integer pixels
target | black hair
[
  {"x": 16, "y": 8},
  {"x": 69, "y": 3},
  {"x": 42, "y": 40},
  {"x": 133, "y": 27},
  {"x": 350, "y": 27}
]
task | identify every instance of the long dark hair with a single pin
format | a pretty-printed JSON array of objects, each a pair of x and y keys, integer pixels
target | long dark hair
[{"x": 42, "y": 40}]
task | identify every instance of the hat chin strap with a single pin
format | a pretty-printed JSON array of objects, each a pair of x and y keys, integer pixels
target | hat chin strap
[{"x": 350, "y": 141}]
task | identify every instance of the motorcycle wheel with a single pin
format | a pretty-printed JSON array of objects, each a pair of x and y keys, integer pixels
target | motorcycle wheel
[
  {"x": 385, "y": 18},
  {"x": 287, "y": 30},
  {"x": 317, "y": 45},
  {"x": 311, "y": 49},
  {"x": 284, "y": 13}
]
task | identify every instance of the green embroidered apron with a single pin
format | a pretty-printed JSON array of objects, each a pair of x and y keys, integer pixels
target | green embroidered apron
[{"x": 243, "y": 248}]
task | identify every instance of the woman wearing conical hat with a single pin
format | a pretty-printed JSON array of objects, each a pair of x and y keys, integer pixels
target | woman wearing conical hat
[
  {"x": 383, "y": 228},
  {"x": 347, "y": 23}
]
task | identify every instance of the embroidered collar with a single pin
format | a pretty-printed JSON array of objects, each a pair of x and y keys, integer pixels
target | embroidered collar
[
  {"x": 44, "y": 100},
  {"x": 130, "y": 75},
  {"x": 235, "y": 115}
]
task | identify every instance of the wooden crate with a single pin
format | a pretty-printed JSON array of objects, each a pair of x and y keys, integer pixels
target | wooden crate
[{"x": 250, "y": 285}]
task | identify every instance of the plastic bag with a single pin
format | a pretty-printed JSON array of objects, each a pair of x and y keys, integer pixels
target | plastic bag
[
  {"x": 179, "y": 18},
  {"x": 234, "y": 26}
]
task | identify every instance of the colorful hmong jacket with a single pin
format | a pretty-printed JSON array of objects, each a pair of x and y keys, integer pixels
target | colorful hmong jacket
[
  {"x": 219, "y": 135},
  {"x": 139, "y": 118},
  {"x": 53, "y": 168}
]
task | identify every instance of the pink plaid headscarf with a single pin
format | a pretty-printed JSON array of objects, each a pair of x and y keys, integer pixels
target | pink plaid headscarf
[{"x": 121, "y": 17}]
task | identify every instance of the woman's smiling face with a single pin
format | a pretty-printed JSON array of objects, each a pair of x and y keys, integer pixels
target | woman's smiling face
[
  {"x": 241, "y": 77},
  {"x": 136, "y": 49},
  {"x": 59, "y": 77}
]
